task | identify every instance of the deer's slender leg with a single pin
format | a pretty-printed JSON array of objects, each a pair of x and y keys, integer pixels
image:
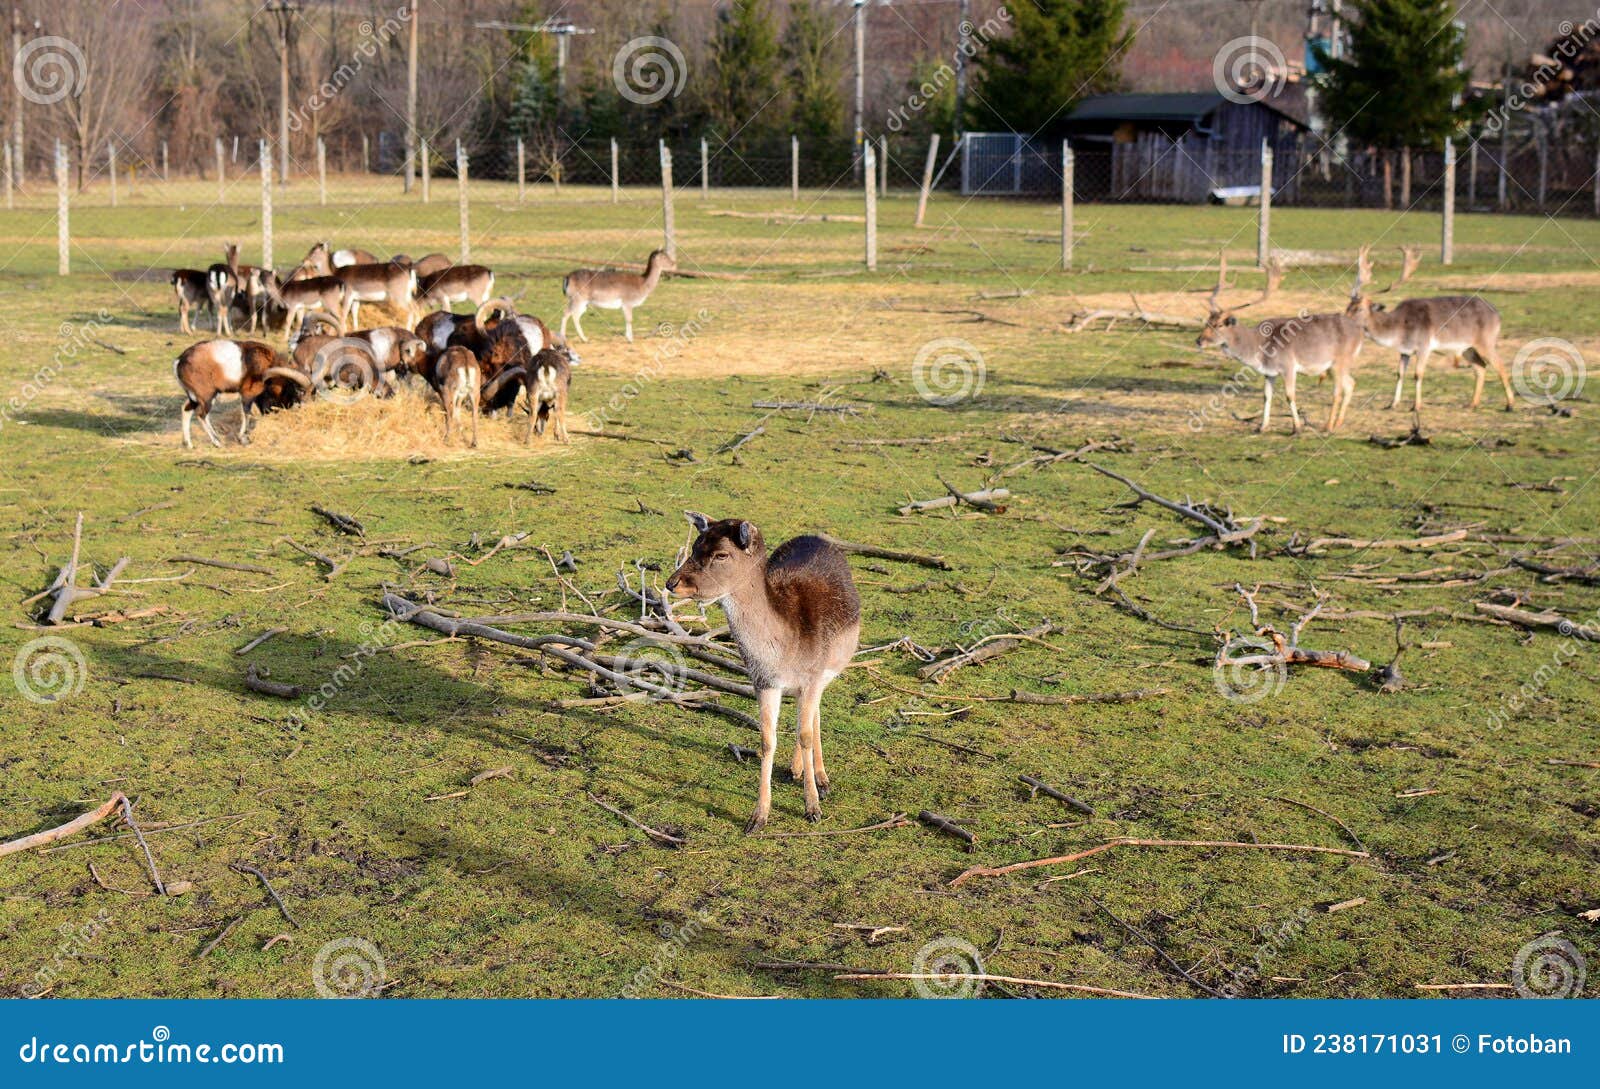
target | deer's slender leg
[
  {"x": 809, "y": 716},
  {"x": 565, "y": 316},
  {"x": 186, "y": 417},
  {"x": 768, "y": 699},
  {"x": 1400, "y": 379},
  {"x": 820, "y": 769},
  {"x": 577, "y": 322},
  {"x": 1488, "y": 353},
  {"x": 1421, "y": 365},
  {"x": 1288, "y": 393},
  {"x": 1478, "y": 373},
  {"x": 1266, "y": 407},
  {"x": 627, "y": 323}
]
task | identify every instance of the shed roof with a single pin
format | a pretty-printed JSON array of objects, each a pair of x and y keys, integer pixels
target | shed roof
[{"x": 1189, "y": 107}]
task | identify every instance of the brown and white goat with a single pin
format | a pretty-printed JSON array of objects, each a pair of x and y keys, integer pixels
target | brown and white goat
[
  {"x": 228, "y": 281},
  {"x": 458, "y": 283},
  {"x": 797, "y": 619},
  {"x": 611, "y": 289},
  {"x": 214, "y": 367},
  {"x": 189, "y": 285},
  {"x": 393, "y": 285}
]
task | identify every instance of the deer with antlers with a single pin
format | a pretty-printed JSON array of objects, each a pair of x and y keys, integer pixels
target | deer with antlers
[
  {"x": 1280, "y": 349},
  {"x": 1461, "y": 326}
]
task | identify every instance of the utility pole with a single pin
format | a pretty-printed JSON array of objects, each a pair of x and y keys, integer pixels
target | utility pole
[
  {"x": 964, "y": 34},
  {"x": 411, "y": 98},
  {"x": 285, "y": 10},
  {"x": 861, "y": 78},
  {"x": 561, "y": 29}
]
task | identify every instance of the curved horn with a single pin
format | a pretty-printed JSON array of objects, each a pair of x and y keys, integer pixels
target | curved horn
[
  {"x": 497, "y": 303},
  {"x": 303, "y": 381},
  {"x": 500, "y": 379},
  {"x": 324, "y": 318}
]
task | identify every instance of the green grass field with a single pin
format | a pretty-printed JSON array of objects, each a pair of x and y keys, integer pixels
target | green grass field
[{"x": 1478, "y": 839}]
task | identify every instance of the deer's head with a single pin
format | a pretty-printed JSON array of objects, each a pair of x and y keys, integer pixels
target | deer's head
[{"x": 724, "y": 555}]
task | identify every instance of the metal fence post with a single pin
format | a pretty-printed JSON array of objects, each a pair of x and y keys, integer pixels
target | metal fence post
[
  {"x": 705, "y": 171},
  {"x": 266, "y": 204},
  {"x": 1264, "y": 227},
  {"x": 166, "y": 173},
  {"x": 222, "y": 173},
  {"x": 1472, "y": 175},
  {"x": 10, "y": 181},
  {"x": 427, "y": 172},
  {"x": 616, "y": 187},
  {"x": 1447, "y": 242},
  {"x": 883, "y": 164},
  {"x": 794, "y": 168},
  {"x": 461, "y": 194},
  {"x": 668, "y": 228},
  {"x": 869, "y": 177},
  {"x": 63, "y": 230},
  {"x": 322, "y": 171},
  {"x": 366, "y": 154},
  {"x": 111, "y": 168},
  {"x": 927, "y": 178},
  {"x": 522, "y": 172},
  {"x": 1066, "y": 206}
]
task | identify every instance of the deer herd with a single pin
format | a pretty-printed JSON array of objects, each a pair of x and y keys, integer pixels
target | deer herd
[
  {"x": 1462, "y": 327},
  {"x": 486, "y": 362},
  {"x": 794, "y": 613}
]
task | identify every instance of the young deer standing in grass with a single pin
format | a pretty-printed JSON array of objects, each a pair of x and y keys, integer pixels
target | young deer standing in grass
[
  {"x": 1282, "y": 348},
  {"x": 797, "y": 619},
  {"x": 611, "y": 289},
  {"x": 1463, "y": 326}
]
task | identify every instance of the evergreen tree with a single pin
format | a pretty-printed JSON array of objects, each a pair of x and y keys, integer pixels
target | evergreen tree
[
  {"x": 745, "y": 70},
  {"x": 814, "y": 59},
  {"x": 1398, "y": 85},
  {"x": 1058, "y": 51}
]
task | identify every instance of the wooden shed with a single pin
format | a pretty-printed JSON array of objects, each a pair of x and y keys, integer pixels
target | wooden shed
[{"x": 1178, "y": 147}]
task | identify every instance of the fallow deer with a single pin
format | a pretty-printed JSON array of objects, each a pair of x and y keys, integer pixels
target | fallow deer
[
  {"x": 797, "y": 619},
  {"x": 393, "y": 285},
  {"x": 611, "y": 289},
  {"x": 1280, "y": 349},
  {"x": 298, "y": 298},
  {"x": 1463, "y": 326},
  {"x": 458, "y": 283}
]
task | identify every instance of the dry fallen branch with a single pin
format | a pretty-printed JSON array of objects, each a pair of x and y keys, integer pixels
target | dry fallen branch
[
  {"x": 983, "y": 500},
  {"x": 1224, "y": 531},
  {"x": 1547, "y": 618},
  {"x": 1408, "y": 544},
  {"x": 256, "y": 681},
  {"x": 938, "y": 563},
  {"x": 666, "y": 839},
  {"x": 953, "y": 977},
  {"x": 341, "y": 522},
  {"x": 1039, "y": 786},
  {"x": 272, "y": 892},
  {"x": 948, "y": 827},
  {"x": 997, "y": 871},
  {"x": 982, "y": 652},
  {"x": 72, "y": 827},
  {"x": 225, "y": 565}
]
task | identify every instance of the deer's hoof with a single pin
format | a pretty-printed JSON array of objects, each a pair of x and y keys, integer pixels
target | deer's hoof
[
  {"x": 814, "y": 815},
  {"x": 755, "y": 824},
  {"x": 822, "y": 786}
]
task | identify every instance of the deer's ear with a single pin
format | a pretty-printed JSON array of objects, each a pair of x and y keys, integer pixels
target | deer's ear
[
  {"x": 747, "y": 533},
  {"x": 699, "y": 521}
]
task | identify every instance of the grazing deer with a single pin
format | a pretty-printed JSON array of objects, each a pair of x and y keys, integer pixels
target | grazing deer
[
  {"x": 312, "y": 294},
  {"x": 458, "y": 379},
  {"x": 458, "y": 283},
  {"x": 393, "y": 285},
  {"x": 190, "y": 286},
  {"x": 797, "y": 619},
  {"x": 1279, "y": 349},
  {"x": 1462, "y": 326},
  {"x": 611, "y": 289}
]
